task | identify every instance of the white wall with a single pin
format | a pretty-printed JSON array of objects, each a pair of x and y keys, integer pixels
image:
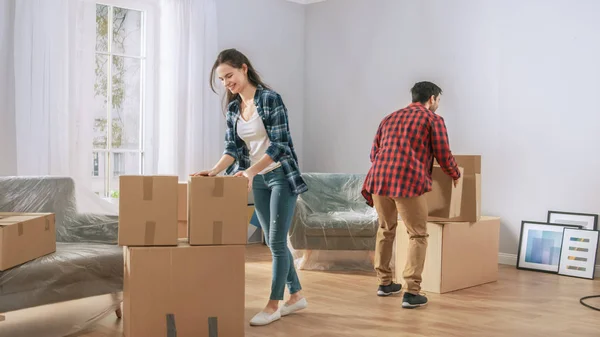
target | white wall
[
  {"x": 519, "y": 81},
  {"x": 8, "y": 140},
  {"x": 271, "y": 34}
]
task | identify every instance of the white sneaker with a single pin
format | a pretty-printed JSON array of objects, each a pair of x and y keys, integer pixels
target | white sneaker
[
  {"x": 288, "y": 309},
  {"x": 263, "y": 318}
]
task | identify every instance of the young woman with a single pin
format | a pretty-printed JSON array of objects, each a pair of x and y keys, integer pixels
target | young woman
[{"x": 258, "y": 146}]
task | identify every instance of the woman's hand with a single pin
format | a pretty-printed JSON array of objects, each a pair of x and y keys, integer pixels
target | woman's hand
[
  {"x": 248, "y": 174},
  {"x": 225, "y": 161},
  {"x": 209, "y": 173}
]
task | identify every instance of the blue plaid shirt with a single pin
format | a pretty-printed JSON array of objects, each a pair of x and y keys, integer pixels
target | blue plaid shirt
[{"x": 273, "y": 113}]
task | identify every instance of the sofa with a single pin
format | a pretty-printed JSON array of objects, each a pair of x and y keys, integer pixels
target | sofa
[
  {"x": 333, "y": 215},
  {"x": 87, "y": 261}
]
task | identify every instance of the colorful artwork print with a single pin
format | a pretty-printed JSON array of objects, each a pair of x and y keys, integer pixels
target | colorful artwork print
[
  {"x": 540, "y": 246},
  {"x": 578, "y": 253},
  {"x": 543, "y": 247}
]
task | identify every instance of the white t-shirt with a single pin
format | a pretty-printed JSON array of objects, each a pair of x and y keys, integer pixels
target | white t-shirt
[{"x": 254, "y": 134}]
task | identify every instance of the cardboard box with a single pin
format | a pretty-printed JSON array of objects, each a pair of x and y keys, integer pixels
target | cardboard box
[
  {"x": 182, "y": 201},
  {"x": 148, "y": 210},
  {"x": 459, "y": 254},
  {"x": 444, "y": 200},
  {"x": 182, "y": 229},
  {"x": 199, "y": 291},
  {"x": 470, "y": 210},
  {"x": 218, "y": 213},
  {"x": 182, "y": 210},
  {"x": 25, "y": 237}
]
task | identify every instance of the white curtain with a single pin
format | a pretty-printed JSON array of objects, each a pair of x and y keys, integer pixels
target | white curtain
[
  {"x": 53, "y": 68},
  {"x": 53, "y": 92},
  {"x": 54, "y": 79},
  {"x": 190, "y": 122}
]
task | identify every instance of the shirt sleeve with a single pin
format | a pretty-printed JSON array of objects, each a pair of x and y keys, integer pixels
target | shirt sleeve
[
  {"x": 230, "y": 147},
  {"x": 441, "y": 148},
  {"x": 376, "y": 141},
  {"x": 279, "y": 127}
]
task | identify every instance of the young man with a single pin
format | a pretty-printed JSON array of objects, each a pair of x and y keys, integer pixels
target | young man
[{"x": 402, "y": 156}]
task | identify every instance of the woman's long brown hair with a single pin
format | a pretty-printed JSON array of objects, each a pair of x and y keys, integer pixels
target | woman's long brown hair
[{"x": 235, "y": 59}]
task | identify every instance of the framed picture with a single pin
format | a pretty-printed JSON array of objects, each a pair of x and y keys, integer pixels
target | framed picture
[
  {"x": 588, "y": 221},
  {"x": 578, "y": 253},
  {"x": 540, "y": 245}
]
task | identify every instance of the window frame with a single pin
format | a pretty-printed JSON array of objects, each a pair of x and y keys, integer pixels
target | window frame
[{"x": 148, "y": 87}]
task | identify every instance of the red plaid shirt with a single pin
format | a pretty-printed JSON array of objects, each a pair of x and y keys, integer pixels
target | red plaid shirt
[{"x": 403, "y": 151}]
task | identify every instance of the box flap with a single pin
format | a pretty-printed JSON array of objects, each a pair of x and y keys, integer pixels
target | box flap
[
  {"x": 6, "y": 214},
  {"x": 8, "y": 219},
  {"x": 444, "y": 200},
  {"x": 470, "y": 163}
]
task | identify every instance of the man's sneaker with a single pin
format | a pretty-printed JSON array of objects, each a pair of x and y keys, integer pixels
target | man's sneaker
[
  {"x": 392, "y": 288},
  {"x": 411, "y": 301}
]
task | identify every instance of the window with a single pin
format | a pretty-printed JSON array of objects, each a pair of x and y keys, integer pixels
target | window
[{"x": 121, "y": 105}]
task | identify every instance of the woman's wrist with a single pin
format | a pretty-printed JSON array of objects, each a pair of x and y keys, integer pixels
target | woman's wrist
[{"x": 251, "y": 171}]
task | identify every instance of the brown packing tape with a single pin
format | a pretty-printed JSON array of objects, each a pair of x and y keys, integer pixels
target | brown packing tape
[
  {"x": 20, "y": 228},
  {"x": 148, "y": 185},
  {"x": 47, "y": 224},
  {"x": 171, "y": 327},
  {"x": 213, "y": 327},
  {"x": 217, "y": 232},
  {"x": 150, "y": 232},
  {"x": 219, "y": 187}
]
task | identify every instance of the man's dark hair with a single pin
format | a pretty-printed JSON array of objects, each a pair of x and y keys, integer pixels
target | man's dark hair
[{"x": 422, "y": 91}]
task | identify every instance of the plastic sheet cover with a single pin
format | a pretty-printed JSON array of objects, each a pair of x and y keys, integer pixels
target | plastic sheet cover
[
  {"x": 333, "y": 228},
  {"x": 87, "y": 262}
]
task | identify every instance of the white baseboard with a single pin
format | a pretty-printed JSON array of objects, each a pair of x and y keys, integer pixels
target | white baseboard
[
  {"x": 511, "y": 260},
  {"x": 508, "y": 259}
]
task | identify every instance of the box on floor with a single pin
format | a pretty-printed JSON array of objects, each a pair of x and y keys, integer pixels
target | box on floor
[
  {"x": 459, "y": 254},
  {"x": 199, "y": 291},
  {"x": 25, "y": 237}
]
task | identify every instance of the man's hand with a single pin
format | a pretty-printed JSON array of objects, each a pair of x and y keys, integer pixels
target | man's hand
[
  {"x": 456, "y": 182},
  {"x": 248, "y": 174}
]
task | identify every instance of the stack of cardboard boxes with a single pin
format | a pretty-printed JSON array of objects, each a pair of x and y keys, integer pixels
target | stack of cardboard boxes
[
  {"x": 183, "y": 287},
  {"x": 462, "y": 250}
]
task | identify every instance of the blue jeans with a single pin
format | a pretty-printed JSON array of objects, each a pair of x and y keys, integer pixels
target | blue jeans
[{"x": 275, "y": 203}]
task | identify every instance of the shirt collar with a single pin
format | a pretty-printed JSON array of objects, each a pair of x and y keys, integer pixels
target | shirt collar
[
  {"x": 237, "y": 101},
  {"x": 418, "y": 104}
]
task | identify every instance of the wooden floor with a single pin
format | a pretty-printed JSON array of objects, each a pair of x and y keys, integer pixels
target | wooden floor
[{"x": 521, "y": 303}]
